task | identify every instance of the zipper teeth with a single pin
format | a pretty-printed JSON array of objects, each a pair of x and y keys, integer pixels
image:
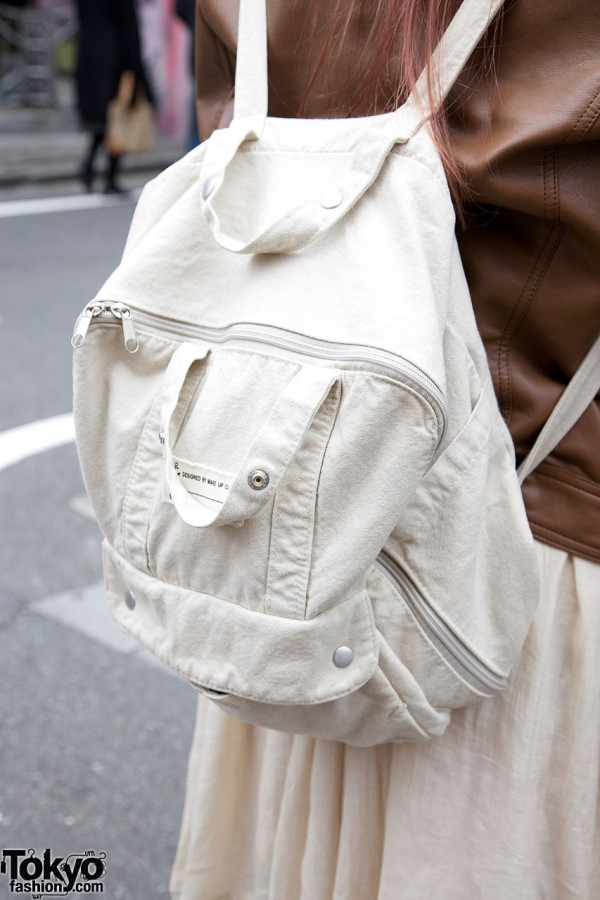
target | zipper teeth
[
  {"x": 373, "y": 359},
  {"x": 440, "y": 629}
]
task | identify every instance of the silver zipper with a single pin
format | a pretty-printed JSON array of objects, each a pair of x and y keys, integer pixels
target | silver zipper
[
  {"x": 352, "y": 357},
  {"x": 104, "y": 310},
  {"x": 467, "y": 664},
  {"x": 83, "y": 323}
]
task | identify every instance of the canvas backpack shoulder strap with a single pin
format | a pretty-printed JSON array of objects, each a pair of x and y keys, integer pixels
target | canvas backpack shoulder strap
[
  {"x": 454, "y": 49},
  {"x": 460, "y": 39},
  {"x": 251, "y": 96},
  {"x": 575, "y": 399},
  {"x": 374, "y": 139}
]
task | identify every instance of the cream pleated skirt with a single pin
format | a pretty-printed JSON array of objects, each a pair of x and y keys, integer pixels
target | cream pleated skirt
[{"x": 505, "y": 806}]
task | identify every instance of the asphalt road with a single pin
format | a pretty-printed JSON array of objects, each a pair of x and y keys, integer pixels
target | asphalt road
[{"x": 93, "y": 736}]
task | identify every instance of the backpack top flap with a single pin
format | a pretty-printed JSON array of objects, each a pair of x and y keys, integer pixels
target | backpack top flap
[{"x": 373, "y": 140}]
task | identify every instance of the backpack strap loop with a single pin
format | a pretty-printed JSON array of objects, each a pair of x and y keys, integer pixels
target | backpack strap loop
[
  {"x": 458, "y": 42},
  {"x": 314, "y": 216},
  {"x": 301, "y": 401}
]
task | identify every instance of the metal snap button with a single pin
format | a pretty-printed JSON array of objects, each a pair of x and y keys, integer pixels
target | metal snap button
[
  {"x": 258, "y": 480},
  {"x": 342, "y": 657},
  {"x": 331, "y": 199},
  {"x": 129, "y": 600}
]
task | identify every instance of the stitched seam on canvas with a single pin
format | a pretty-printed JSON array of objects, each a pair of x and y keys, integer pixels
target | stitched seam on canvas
[
  {"x": 278, "y": 518},
  {"x": 315, "y": 505},
  {"x": 135, "y": 473}
]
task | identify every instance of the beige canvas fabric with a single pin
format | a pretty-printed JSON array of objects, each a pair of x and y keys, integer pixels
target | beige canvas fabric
[
  {"x": 504, "y": 805},
  {"x": 283, "y": 377}
]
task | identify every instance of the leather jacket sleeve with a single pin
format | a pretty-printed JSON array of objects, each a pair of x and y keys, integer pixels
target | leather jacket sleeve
[{"x": 528, "y": 138}]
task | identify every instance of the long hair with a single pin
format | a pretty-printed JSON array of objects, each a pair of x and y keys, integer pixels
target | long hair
[{"x": 401, "y": 39}]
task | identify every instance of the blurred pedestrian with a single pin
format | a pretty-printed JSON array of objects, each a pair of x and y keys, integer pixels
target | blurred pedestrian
[{"x": 109, "y": 45}]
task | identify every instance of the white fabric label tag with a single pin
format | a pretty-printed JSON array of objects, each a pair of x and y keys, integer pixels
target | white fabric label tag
[{"x": 206, "y": 484}]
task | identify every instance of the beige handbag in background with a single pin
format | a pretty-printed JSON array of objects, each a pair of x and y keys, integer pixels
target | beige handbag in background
[{"x": 130, "y": 121}]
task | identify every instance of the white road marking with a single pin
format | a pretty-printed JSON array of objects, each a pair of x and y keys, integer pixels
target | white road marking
[
  {"x": 11, "y": 208},
  {"x": 86, "y": 610},
  {"x": 19, "y": 443},
  {"x": 83, "y": 609}
]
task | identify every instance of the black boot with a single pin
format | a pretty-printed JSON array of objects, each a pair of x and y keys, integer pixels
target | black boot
[
  {"x": 86, "y": 170},
  {"x": 111, "y": 185}
]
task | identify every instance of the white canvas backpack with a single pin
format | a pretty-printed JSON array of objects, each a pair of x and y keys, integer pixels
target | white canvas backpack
[{"x": 288, "y": 430}]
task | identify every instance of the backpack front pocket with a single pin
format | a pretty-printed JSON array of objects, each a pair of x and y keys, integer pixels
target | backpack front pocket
[
  {"x": 231, "y": 424},
  {"x": 269, "y": 481},
  {"x": 262, "y": 489}
]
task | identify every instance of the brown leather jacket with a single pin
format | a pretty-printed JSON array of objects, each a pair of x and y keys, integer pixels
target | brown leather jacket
[{"x": 528, "y": 138}]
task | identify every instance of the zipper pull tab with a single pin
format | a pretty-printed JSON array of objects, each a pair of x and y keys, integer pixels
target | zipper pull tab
[
  {"x": 83, "y": 323},
  {"x": 122, "y": 312}
]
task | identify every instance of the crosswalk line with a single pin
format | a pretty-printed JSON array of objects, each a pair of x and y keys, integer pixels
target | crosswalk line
[{"x": 86, "y": 611}]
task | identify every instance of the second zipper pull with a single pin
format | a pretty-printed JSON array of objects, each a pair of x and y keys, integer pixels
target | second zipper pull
[{"x": 122, "y": 312}]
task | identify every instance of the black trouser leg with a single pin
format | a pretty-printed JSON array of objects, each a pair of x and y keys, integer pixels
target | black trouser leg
[
  {"x": 111, "y": 185},
  {"x": 87, "y": 167}
]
